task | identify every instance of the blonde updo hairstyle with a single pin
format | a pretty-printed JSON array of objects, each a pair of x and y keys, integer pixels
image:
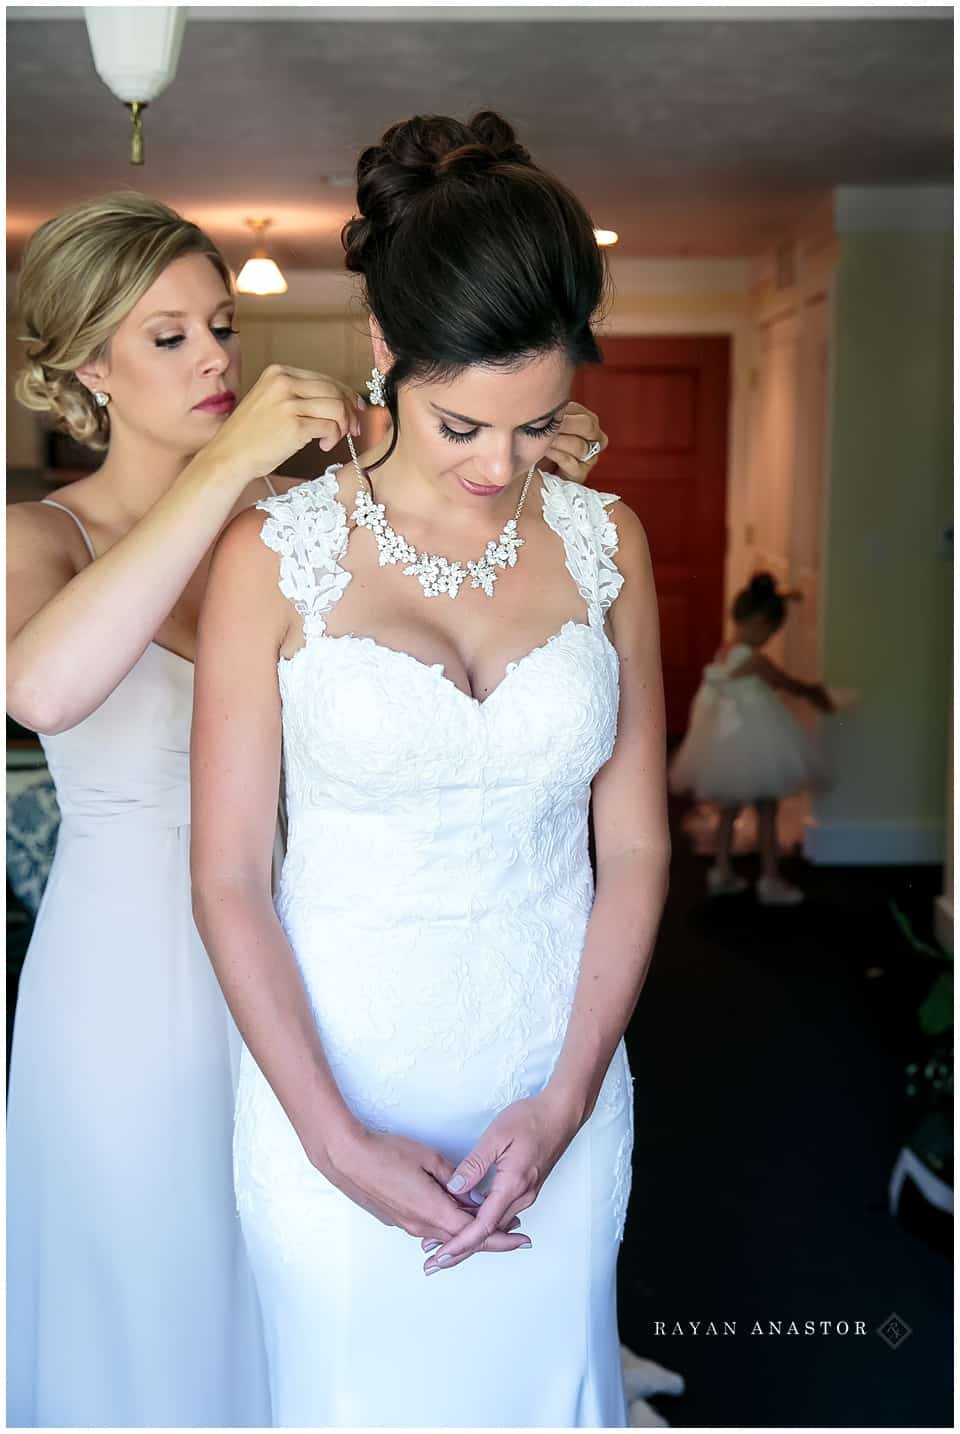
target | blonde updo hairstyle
[{"x": 81, "y": 274}]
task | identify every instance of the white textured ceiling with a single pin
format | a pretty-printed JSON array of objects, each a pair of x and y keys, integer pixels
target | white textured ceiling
[{"x": 692, "y": 134}]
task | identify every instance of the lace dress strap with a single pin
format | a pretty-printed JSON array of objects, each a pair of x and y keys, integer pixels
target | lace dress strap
[
  {"x": 308, "y": 528},
  {"x": 578, "y": 516}
]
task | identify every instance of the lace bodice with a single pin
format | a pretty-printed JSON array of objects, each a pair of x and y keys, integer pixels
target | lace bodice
[
  {"x": 308, "y": 528},
  {"x": 564, "y": 690},
  {"x": 437, "y": 885}
]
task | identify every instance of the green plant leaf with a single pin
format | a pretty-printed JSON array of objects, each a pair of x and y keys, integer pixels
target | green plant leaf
[{"x": 936, "y": 1013}]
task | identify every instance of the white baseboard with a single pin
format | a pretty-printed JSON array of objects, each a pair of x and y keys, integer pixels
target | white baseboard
[{"x": 874, "y": 843}]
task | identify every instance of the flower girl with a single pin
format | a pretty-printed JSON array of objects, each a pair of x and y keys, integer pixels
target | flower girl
[{"x": 744, "y": 745}]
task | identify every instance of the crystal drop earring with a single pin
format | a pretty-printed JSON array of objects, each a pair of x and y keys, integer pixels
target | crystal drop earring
[
  {"x": 375, "y": 385},
  {"x": 100, "y": 399}
]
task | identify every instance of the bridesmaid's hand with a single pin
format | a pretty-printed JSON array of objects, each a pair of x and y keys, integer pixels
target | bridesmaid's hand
[
  {"x": 285, "y": 409},
  {"x": 402, "y": 1182},
  {"x": 524, "y": 1142},
  {"x": 578, "y": 431}
]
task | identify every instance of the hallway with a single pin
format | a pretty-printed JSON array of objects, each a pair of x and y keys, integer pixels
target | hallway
[{"x": 768, "y": 1050}]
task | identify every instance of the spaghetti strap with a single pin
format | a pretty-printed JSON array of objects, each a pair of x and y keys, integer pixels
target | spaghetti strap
[
  {"x": 86, "y": 536},
  {"x": 269, "y": 483}
]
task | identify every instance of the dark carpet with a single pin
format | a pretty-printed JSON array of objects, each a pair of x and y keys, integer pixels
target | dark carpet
[{"x": 768, "y": 1049}]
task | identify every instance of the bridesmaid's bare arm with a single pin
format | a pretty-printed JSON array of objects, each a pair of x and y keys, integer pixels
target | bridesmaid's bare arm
[{"x": 73, "y": 635}]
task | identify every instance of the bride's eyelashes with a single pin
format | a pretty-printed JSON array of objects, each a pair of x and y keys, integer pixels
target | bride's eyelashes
[{"x": 453, "y": 436}]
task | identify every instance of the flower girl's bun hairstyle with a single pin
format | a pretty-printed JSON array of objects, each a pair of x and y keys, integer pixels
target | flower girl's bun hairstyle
[
  {"x": 82, "y": 272},
  {"x": 761, "y": 597},
  {"x": 470, "y": 253}
]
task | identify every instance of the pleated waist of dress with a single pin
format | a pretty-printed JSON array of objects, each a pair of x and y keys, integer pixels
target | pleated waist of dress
[{"x": 99, "y": 809}]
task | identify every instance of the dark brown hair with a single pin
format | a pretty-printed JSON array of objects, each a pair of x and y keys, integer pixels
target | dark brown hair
[
  {"x": 761, "y": 596},
  {"x": 469, "y": 252}
]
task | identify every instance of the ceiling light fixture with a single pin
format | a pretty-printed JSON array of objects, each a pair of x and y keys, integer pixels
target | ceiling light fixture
[
  {"x": 605, "y": 236},
  {"x": 260, "y": 274},
  {"x": 135, "y": 53}
]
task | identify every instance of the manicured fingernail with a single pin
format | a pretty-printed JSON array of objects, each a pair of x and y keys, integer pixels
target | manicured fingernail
[
  {"x": 527, "y": 1246},
  {"x": 432, "y": 1245},
  {"x": 444, "y": 1259},
  {"x": 477, "y": 1198},
  {"x": 431, "y": 1270},
  {"x": 457, "y": 1183}
]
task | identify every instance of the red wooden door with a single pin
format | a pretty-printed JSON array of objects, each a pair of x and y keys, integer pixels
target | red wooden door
[{"x": 664, "y": 403}]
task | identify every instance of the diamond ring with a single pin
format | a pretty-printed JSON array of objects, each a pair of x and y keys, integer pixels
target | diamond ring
[{"x": 591, "y": 452}]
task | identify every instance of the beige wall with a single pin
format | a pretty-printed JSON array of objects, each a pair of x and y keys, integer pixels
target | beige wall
[
  {"x": 887, "y": 599},
  {"x": 777, "y": 524}
]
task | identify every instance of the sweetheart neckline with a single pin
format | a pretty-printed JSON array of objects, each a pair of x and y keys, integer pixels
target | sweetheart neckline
[
  {"x": 340, "y": 504},
  {"x": 439, "y": 669}
]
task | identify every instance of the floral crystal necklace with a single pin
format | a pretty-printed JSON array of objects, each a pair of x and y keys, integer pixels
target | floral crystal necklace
[{"x": 437, "y": 575}]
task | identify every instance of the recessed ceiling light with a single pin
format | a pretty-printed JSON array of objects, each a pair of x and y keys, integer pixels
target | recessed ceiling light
[{"x": 606, "y": 236}]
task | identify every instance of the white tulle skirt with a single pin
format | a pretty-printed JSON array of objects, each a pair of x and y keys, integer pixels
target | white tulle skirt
[{"x": 743, "y": 743}]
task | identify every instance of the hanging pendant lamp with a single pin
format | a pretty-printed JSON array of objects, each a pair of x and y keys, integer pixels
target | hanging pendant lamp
[
  {"x": 135, "y": 53},
  {"x": 260, "y": 275}
]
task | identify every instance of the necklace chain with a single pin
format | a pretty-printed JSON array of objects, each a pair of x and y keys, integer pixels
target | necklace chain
[{"x": 437, "y": 575}]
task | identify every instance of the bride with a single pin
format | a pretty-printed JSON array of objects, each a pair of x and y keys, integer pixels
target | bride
[{"x": 454, "y": 652}]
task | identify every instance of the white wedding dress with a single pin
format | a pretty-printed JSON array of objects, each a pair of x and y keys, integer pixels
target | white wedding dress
[{"x": 436, "y": 893}]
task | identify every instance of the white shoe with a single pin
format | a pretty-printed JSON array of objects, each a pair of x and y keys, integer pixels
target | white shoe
[
  {"x": 776, "y": 891},
  {"x": 719, "y": 884}
]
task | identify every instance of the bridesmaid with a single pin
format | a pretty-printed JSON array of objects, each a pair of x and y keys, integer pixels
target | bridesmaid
[{"x": 129, "y": 1300}]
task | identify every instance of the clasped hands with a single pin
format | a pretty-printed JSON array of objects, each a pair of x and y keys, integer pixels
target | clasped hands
[{"x": 404, "y": 1182}]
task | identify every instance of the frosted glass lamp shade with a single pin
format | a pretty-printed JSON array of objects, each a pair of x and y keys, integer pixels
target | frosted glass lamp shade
[
  {"x": 260, "y": 275},
  {"x": 136, "y": 48}
]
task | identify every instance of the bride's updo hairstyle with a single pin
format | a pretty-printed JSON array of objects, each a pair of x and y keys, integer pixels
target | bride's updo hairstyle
[
  {"x": 469, "y": 252},
  {"x": 82, "y": 272}
]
